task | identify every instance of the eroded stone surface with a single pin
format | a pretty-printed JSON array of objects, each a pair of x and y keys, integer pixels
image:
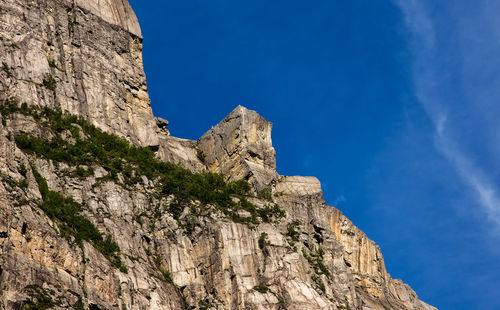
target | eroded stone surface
[{"x": 240, "y": 147}]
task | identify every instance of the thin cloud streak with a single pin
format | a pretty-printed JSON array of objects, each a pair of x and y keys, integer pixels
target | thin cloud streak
[
  {"x": 427, "y": 81},
  {"x": 468, "y": 171}
]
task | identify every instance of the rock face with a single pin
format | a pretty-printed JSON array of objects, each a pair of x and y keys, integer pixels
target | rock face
[
  {"x": 84, "y": 57},
  {"x": 115, "y": 12},
  {"x": 240, "y": 147}
]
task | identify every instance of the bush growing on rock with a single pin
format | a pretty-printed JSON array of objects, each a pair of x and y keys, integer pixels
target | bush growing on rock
[{"x": 92, "y": 147}]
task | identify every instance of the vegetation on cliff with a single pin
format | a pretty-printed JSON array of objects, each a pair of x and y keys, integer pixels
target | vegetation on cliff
[
  {"x": 72, "y": 140},
  {"x": 72, "y": 223}
]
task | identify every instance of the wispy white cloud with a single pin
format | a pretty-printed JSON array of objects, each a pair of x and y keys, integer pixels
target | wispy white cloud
[
  {"x": 469, "y": 172},
  {"x": 428, "y": 81}
]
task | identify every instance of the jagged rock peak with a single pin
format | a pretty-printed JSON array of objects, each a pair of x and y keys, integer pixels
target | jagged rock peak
[
  {"x": 116, "y": 12},
  {"x": 240, "y": 146}
]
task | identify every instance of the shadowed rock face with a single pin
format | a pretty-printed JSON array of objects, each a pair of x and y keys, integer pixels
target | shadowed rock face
[
  {"x": 312, "y": 258},
  {"x": 240, "y": 147}
]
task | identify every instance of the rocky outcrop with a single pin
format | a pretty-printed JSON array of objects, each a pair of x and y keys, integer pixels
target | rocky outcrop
[
  {"x": 84, "y": 57},
  {"x": 240, "y": 147},
  {"x": 297, "y": 188}
]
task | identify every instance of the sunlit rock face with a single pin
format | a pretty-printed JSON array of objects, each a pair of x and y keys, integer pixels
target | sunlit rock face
[
  {"x": 240, "y": 147},
  {"x": 115, "y": 12},
  {"x": 84, "y": 57}
]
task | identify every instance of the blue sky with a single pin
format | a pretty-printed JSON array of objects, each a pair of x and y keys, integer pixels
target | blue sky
[{"x": 392, "y": 104}]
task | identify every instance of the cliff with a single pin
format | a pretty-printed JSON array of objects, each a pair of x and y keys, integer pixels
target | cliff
[{"x": 96, "y": 213}]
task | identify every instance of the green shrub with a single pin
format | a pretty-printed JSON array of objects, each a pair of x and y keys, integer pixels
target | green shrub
[
  {"x": 49, "y": 82},
  {"x": 263, "y": 240},
  {"x": 203, "y": 305},
  {"x": 53, "y": 64},
  {"x": 116, "y": 155},
  {"x": 157, "y": 260},
  {"x": 78, "y": 305},
  {"x": 319, "y": 283},
  {"x": 267, "y": 213},
  {"x": 40, "y": 298},
  {"x": 315, "y": 259},
  {"x": 8, "y": 107},
  {"x": 291, "y": 230},
  {"x": 175, "y": 209},
  {"x": 261, "y": 288},
  {"x": 23, "y": 184},
  {"x": 23, "y": 170},
  {"x": 6, "y": 69},
  {"x": 166, "y": 276},
  {"x": 240, "y": 187},
  {"x": 72, "y": 223},
  {"x": 265, "y": 194}
]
